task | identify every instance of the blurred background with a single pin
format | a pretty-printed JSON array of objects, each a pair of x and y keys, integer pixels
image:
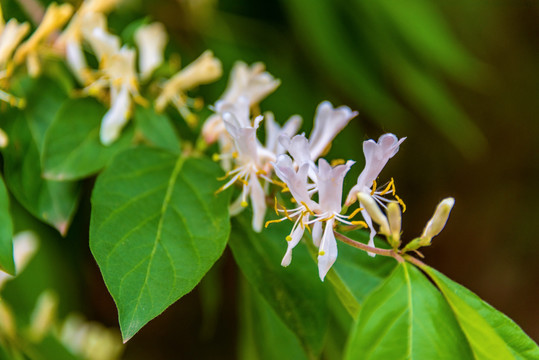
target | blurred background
[{"x": 459, "y": 79}]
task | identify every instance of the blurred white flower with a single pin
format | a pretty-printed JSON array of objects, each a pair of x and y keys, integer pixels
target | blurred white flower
[
  {"x": 25, "y": 245},
  {"x": 151, "y": 40}
]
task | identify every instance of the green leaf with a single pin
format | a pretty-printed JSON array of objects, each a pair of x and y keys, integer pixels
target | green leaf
[
  {"x": 407, "y": 318},
  {"x": 72, "y": 149},
  {"x": 295, "y": 293},
  {"x": 6, "y": 232},
  {"x": 52, "y": 201},
  {"x": 263, "y": 328},
  {"x": 491, "y": 334},
  {"x": 156, "y": 129},
  {"x": 156, "y": 228},
  {"x": 355, "y": 274}
]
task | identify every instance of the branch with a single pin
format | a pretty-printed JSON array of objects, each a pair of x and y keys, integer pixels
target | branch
[{"x": 359, "y": 245}]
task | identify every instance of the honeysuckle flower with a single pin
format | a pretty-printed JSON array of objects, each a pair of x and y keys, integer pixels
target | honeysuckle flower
[
  {"x": 119, "y": 74},
  {"x": 377, "y": 154},
  {"x": 151, "y": 40},
  {"x": 55, "y": 17},
  {"x": 11, "y": 34},
  {"x": 95, "y": 32},
  {"x": 25, "y": 245},
  {"x": 253, "y": 83},
  {"x": 205, "y": 69},
  {"x": 87, "y": 17},
  {"x": 323, "y": 214},
  {"x": 328, "y": 122},
  {"x": 249, "y": 167},
  {"x": 274, "y": 131}
]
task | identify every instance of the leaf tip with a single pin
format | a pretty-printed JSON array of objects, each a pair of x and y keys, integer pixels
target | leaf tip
[{"x": 62, "y": 227}]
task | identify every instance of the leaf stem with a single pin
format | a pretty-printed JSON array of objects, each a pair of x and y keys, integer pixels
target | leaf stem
[{"x": 359, "y": 245}]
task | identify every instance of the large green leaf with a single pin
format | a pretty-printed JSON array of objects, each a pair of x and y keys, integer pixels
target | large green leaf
[
  {"x": 407, "y": 318},
  {"x": 72, "y": 149},
  {"x": 52, "y": 201},
  {"x": 263, "y": 329},
  {"x": 491, "y": 334},
  {"x": 156, "y": 129},
  {"x": 6, "y": 233},
  {"x": 355, "y": 274},
  {"x": 156, "y": 228},
  {"x": 295, "y": 293}
]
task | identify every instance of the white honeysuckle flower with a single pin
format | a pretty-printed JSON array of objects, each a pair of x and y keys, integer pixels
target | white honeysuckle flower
[
  {"x": 324, "y": 213},
  {"x": 151, "y": 40},
  {"x": 11, "y": 35},
  {"x": 94, "y": 30},
  {"x": 87, "y": 17},
  {"x": 119, "y": 75},
  {"x": 25, "y": 245},
  {"x": 328, "y": 122},
  {"x": 377, "y": 154},
  {"x": 438, "y": 220},
  {"x": 116, "y": 118},
  {"x": 55, "y": 17},
  {"x": 252, "y": 83},
  {"x": 249, "y": 168},
  {"x": 205, "y": 69},
  {"x": 274, "y": 131}
]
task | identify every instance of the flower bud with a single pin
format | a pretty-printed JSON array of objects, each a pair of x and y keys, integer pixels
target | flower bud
[
  {"x": 374, "y": 211},
  {"x": 395, "y": 221},
  {"x": 438, "y": 220}
]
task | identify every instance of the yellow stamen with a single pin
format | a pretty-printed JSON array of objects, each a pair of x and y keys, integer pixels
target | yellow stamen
[
  {"x": 360, "y": 223},
  {"x": 389, "y": 187},
  {"x": 328, "y": 218},
  {"x": 275, "y": 206},
  {"x": 261, "y": 172},
  {"x": 322, "y": 253},
  {"x": 285, "y": 189},
  {"x": 355, "y": 212},
  {"x": 306, "y": 207},
  {"x": 216, "y": 157},
  {"x": 244, "y": 203},
  {"x": 399, "y": 200},
  {"x": 198, "y": 103},
  {"x": 273, "y": 222},
  {"x": 235, "y": 155},
  {"x": 243, "y": 181},
  {"x": 308, "y": 228},
  {"x": 293, "y": 201},
  {"x": 288, "y": 238},
  {"x": 336, "y": 162},
  {"x": 373, "y": 187}
]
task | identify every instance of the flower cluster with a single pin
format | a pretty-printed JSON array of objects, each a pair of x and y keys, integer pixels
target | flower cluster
[
  {"x": 315, "y": 185},
  {"x": 117, "y": 79}
]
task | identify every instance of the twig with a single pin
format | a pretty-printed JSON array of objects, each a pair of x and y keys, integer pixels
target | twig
[{"x": 359, "y": 245}]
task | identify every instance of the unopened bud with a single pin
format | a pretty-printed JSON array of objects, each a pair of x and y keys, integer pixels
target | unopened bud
[
  {"x": 374, "y": 211},
  {"x": 438, "y": 220},
  {"x": 395, "y": 220}
]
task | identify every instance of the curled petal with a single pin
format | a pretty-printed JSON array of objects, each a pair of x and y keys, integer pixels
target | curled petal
[
  {"x": 116, "y": 118},
  {"x": 327, "y": 253},
  {"x": 258, "y": 201},
  {"x": 330, "y": 182},
  {"x": 327, "y": 124},
  {"x": 151, "y": 40},
  {"x": 292, "y": 242}
]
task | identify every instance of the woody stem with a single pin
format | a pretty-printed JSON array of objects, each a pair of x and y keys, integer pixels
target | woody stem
[{"x": 359, "y": 245}]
